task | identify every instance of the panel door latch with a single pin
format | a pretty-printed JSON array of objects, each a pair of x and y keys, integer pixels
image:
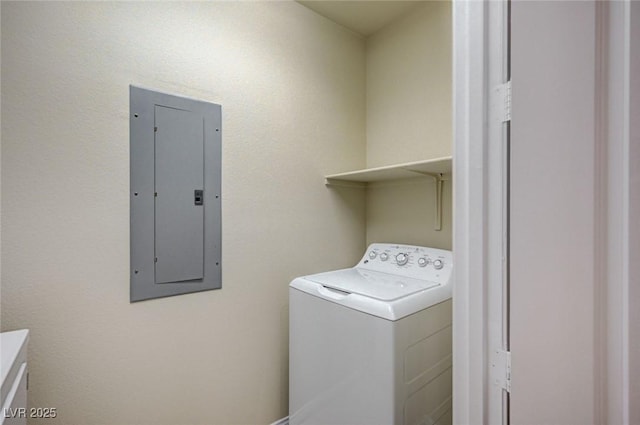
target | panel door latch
[{"x": 198, "y": 198}]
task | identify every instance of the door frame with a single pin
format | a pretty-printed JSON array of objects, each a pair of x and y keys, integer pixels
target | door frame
[
  {"x": 618, "y": 193},
  {"x": 480, "y": 243}
]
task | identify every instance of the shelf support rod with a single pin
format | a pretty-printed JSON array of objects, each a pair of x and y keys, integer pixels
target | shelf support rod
[
  {"x": 438, "y": 215},
  {"x": 439, "y": 178}
]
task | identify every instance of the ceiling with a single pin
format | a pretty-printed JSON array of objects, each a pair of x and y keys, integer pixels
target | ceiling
[{"x": 363, "y": 17}]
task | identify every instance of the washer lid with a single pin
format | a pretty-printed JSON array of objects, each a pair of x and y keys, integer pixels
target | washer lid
[{"x": 372, "y": 284}]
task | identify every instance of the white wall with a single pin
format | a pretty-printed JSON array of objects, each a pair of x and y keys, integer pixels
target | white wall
[
  {"x": 292, "y": 91},
  {"x": 409, "y": 101},
  {"x": 552, "y": 267}
]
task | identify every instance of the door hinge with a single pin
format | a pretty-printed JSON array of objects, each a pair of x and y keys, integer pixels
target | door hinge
[
  {"x": 501, "y": 369},
  {"x": 503, "y": 101}
]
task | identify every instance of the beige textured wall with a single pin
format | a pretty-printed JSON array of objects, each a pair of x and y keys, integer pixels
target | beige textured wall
[
  {"x": 409, "y": 101},
  {"x": 292, "y": 90},
  {"x": 404, "y": 212},
  {"x": 409, "y": 87}
]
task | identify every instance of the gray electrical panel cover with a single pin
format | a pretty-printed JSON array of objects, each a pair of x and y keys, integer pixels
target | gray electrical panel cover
[{"x": 175, "y": 195}]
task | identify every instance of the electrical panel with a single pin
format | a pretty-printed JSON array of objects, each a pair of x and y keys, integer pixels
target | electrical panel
[{"x": 175, "y": 195}]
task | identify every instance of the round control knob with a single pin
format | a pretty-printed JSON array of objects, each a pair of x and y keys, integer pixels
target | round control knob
[
  {"x": 384, "y": 256},
  {"x": 402, "y": 259},
  {"x": 422, "y": 261},
  {"x": 438, "y": 264},
  {"x": 372, "y": 255}
]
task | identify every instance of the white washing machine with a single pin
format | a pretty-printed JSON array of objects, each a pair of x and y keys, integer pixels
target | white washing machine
[{"x": 372, "y": 344}]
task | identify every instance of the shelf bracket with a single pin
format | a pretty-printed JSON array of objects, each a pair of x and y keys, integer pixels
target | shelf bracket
[
  {"x": 438, "y": 178},
  {"x": 361, "y": 179},
  {"x": 438, "y": 212}
]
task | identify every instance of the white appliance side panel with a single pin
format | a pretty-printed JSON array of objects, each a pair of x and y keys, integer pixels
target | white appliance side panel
[
  {"x": 341, "y": 364},
  {"x": 13, "y": 352},
  {"x": 428, "y": 398},
  {"x": 13, "y": 367},
  {"x": 14, "y": 411},
  {"x": 423, "y": 365}
]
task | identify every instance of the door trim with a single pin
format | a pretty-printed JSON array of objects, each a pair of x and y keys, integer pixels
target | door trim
[
  {"x": 480, "y": 223},
  {"x": 617, "y": 337}
]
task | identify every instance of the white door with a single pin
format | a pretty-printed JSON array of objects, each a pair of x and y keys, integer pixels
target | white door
[
  {"x": 574, "y": 189},
  {"x": 552, "y": 189}
]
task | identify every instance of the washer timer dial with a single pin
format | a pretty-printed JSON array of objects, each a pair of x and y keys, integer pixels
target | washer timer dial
[{"x": 402, "y": 259}]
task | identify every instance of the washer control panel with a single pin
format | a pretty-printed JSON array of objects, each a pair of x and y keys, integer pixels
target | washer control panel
[{"x": 417, "y": 262}]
